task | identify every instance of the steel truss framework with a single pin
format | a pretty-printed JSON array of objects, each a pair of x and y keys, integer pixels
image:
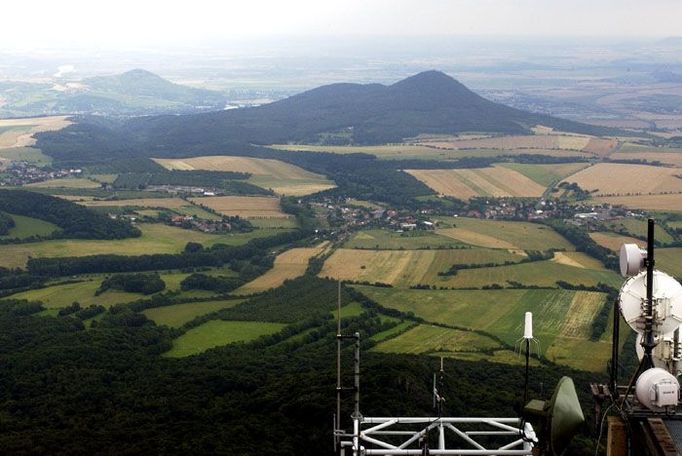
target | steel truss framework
[{"x": 512, "y": 436}]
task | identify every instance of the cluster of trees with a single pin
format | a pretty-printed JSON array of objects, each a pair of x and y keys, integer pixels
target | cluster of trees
[
  {"x": 220, "y": 284},
  {"x": 74, "y": 220},
  {"x": 133, "y": 283},
  {"x": 6, "y": 223}
]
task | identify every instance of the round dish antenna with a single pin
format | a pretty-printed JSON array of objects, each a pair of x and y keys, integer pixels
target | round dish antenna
[
  {"x": 632, "y": 259},
  {"x": 667, "y": 302},
  {"x": 657, "y": 389}
]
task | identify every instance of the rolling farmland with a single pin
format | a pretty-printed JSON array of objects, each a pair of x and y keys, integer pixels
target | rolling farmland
[
  {"x": 243, "y": 206},
  {"x": 281, "y": 177},
  {"x": 215, "y": 333},
  {"x": 501, "y": 234},
  {"x": 563, "y": 317},
  {"x": 467, "y": 183},
  {"x": 615, "y": 179},
  {"x": 156, "y": 238},
  {"x": 288, "y": 265},
  {"x": 27, "y": 226},
  {"x": 613, "y": 241}
]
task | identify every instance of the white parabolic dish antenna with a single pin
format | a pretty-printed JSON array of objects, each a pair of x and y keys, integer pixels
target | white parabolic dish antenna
[{"x": 667, "y": 293}]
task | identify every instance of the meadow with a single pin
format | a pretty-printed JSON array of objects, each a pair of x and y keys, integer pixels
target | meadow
[
  {"x": 465, "y": 184},
  {"x": 500, "y": 234},
  {"x": 282, "y": 178},
  {"x": 83, "y": 291},
  {"x": 27, "y": 154},
  {"x": 156, "y": 238},
  {"x": 408, "y": 240},
  {"x": 563, "y": 318},
  {"x": 177, "y": 315},
  {"x": 71, "y": 182},
  {"x": 215, "y": 333},
  {"x": 27, "y": 226},
  {"x": 637, "y": 227}
]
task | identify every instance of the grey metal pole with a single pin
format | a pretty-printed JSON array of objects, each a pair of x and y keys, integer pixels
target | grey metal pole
[
  {"x": 338, "y": 368},
  {"x": 649, "y": 343},
  {"x": 356, "y": 410}
]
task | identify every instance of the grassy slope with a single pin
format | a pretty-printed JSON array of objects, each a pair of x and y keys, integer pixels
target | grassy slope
[
  {"x": 546, "y": 174},
  {"x": 215, "y": 333},
  {"x": 562, "y": 317},
  {"x": 520, "y": 235},
  {"x": 385, "y": 239},
  {"x": 179, "y": 314},
  {"x": 156, "y": 238},
  {"x": 28, "y": 226}
]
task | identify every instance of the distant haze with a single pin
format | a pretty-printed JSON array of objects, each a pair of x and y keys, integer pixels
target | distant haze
[{"x": 122, "y": 24}]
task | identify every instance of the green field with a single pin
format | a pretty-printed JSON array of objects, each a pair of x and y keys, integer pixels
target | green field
[
  {"x": 58, "y": 296},
  {"x": 546, "y": 174},
  {"x": 28, "y": 154},
  {"x": 277, "y": 222},
  {"x": 216, "y": 333},
  {"x": 502, "y": 234},
  {"x": 27, "y": 226},
  {"x": 71, "y": 182},
  {"x": 386, "y": 239},
  {"x": 562, "y": 324},
  {"x": 156, "y": 238},
  {"x": 669, "y": 260},
  {"x": 179, "y": 314},
  {"x": 429, "y": 339},
  {"x": 638, "y": 228},
  {"x": 538, "y": 273}
]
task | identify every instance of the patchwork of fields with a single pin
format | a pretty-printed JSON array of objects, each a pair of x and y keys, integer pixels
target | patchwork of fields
[
  {"x": 177, "y": 315},
  {"x": 563, "y": 320},
  {"x": 19, "y": 132},
  {"x": 283, "y": 178}
]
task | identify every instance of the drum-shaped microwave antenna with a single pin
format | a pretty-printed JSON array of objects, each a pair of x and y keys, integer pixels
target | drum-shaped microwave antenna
[
  {"x": 667, "y": 305},
  {"x": 631, "y": 259}
]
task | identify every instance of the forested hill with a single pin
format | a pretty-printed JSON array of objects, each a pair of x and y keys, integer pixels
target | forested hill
[{"x": 429, "y": 102}]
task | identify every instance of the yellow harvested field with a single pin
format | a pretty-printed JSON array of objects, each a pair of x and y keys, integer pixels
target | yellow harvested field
[
  {"x": 283, "y": 178},
  {"x": 615, "y": 179},
  {"x": 288, "y": 265},
  {"x": 669, "y": 158},
  {"x": 578, "y": 260},
  {"x": 671, "y": 202},
  {"x": 243, "y": 206},
  {"x": 467, "y": 183},
  {"x": 20, "y": 132},
  {"x": 613, "y": 241},
  {"x": 476, "y": 238},
  {"x": 169, "y": 203},
  {"x": 601, "y": 146},
  {"x": 387, "y": 266}
]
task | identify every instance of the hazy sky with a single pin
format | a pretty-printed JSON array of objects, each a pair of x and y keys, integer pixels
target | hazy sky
[{"x": 126, "y": 23}]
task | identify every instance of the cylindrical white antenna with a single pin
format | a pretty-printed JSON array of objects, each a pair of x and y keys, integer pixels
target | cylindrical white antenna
[{"x": 528, "y": 326}]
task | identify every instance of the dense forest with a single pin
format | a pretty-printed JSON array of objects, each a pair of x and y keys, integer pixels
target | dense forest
[
  {"x": 73, "y": 390},
  {"x": 74, "y": 221}
]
